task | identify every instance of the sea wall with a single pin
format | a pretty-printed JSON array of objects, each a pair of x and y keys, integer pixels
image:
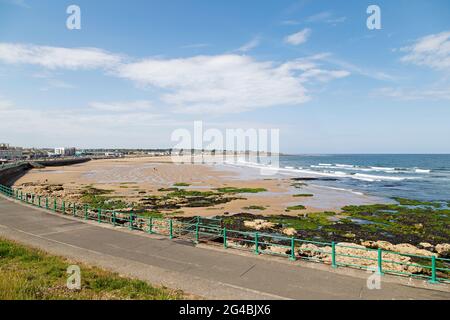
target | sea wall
[{"x": 11, "y": 173}]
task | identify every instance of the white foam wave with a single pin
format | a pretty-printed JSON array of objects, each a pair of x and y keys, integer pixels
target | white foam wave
[
  {"x": 332, "y": 174},
  {"x": 422, "y": 171}
]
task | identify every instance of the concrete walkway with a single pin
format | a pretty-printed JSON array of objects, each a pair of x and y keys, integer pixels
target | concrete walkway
[{"x": 210, "y": 273}]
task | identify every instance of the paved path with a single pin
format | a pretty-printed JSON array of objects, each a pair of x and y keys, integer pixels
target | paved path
[{"x": 213, "y": 274}]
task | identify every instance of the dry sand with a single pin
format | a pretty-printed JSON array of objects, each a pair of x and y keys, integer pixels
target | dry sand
[{"x": 130, "y": 178}]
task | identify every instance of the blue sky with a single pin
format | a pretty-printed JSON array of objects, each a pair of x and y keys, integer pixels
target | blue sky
[{"x": 137, "y": 70}]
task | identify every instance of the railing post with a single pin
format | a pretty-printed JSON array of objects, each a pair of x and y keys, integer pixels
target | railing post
[
  {"x": 63, "y": 207},
  {"x": 85, "y": 212},
  {"x": 131, "y": 221},
  {"x": 380, "y": 261},
  {"x": 74, "y": 209},
  {"x": 54, "y": 204},
  {"x": 150, "y": 225},
  {"x": 292, "y": 258},
  {"x": 333, "y": 255},
  {"x": 196, "y": 233},
  {"x": 46, "y": 203},
  {"x": 171, "y": 229},
  {"x": 99, "y": 215},
  {"x": 256, "y": 243},
  {"x": 433, "y": 279},
  {"x": 39, "y": 201},
  {"x": 225, "y": 245},
  {"x": 114, "y": 218}
]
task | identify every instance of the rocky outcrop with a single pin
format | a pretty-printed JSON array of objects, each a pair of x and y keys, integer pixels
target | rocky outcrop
[
  {"x": 352, "y": 254},
  {"x": 443, "y": 250},
  {"x": 259, "y": 224},
  {"x": 289, "y": 232},
  {"x": 404, "y": 248}
]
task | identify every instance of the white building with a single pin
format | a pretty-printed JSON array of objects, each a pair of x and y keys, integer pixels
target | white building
[{"x": 65, "y": 152}]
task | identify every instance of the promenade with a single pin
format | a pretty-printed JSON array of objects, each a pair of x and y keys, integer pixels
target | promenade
[{"x": 207, "y": 272}]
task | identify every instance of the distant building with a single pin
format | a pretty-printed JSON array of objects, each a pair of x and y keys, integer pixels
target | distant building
[
  {"x": 10, "y": 153},
  {"x": 65, "y": 152}
]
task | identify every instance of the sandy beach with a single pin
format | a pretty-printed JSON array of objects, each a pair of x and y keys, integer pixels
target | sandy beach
[{"x": 130, "y": 179}]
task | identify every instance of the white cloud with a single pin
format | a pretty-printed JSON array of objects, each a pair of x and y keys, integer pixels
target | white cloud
[
  {"x": 223, "y": 83},
  {"x": 5, "y": 104},
  {"x": 128, "y": 106},
  {"x": 432, "y": 51},
  {"x": 57, "y": 57},
  {"x": 227, "y": 83},
  {"x": 250, "y": 45},
  {"x": 299, "y": 37}
]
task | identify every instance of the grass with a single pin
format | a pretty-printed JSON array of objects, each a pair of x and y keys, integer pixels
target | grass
[
  {"x": 303, "y": 195},
  {"x": 410, "y": 202},
  {"x": 31, "y": 274},
  {"x": 181, "y": 184},
  {"x": 254, "y": 208},
  {"x": 295, "y": 208},
  {"x": 240, "y": 190}
]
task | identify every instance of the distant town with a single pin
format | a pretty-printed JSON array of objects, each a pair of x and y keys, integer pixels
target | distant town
[{"x": 10, "y": 153}]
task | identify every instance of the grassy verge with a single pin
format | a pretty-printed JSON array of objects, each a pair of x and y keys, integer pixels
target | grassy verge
[{"x": 31, "y": 274}]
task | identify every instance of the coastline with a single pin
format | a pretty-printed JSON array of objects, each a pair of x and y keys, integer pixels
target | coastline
[{"x": 131, "y": 178}]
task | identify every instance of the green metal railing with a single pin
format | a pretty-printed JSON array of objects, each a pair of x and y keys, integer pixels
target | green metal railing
[{"x": 201, "y": 229}]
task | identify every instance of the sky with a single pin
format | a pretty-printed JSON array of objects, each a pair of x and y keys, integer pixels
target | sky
[{"x": 138, "y": 70}]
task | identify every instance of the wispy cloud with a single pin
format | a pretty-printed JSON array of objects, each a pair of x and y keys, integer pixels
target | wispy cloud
[
  {"x": 19, "y": 3},
  {"x": 290, "y": 22},
  {"x": 57, "y": 57},
  {"x": 410, "y": 94},
  {"x": 123, "y": 106},
  {"x": 431, "y": 51},
  {"x": 326, "y": 17},
  {"x": 250, "y": 45},
  {"x": 195, "y": 46},
  {"x": 319, "y": 17},
  {"x": 298, "y": 37}
]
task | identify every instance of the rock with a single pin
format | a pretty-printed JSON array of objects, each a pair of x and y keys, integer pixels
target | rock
[
  {"x": 404, "y": 248},
  {"x": 426, "y": 246},
  {"x": 276, "y": 250},
  {"x": 259, "y": 224},
  {"x": 349, "y": 253},
  {"x": 418, "y": 226},
  {"x": 290, "y": 232},
  {"x": 443, "y": 249},
  {"x": 407, "y": 248},
  {"x": 378, "y": 245}
]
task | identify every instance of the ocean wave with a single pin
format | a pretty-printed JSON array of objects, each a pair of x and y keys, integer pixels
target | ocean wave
[
  {"x": 329, "y": 173},
  {"x": 422, "y": 170}
]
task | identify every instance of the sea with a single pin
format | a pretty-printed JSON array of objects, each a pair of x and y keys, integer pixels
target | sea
[{"x": 424, "y": 177}]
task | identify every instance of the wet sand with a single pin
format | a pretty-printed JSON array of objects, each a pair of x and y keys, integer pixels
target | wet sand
[{"x": 132, "y": 178}]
